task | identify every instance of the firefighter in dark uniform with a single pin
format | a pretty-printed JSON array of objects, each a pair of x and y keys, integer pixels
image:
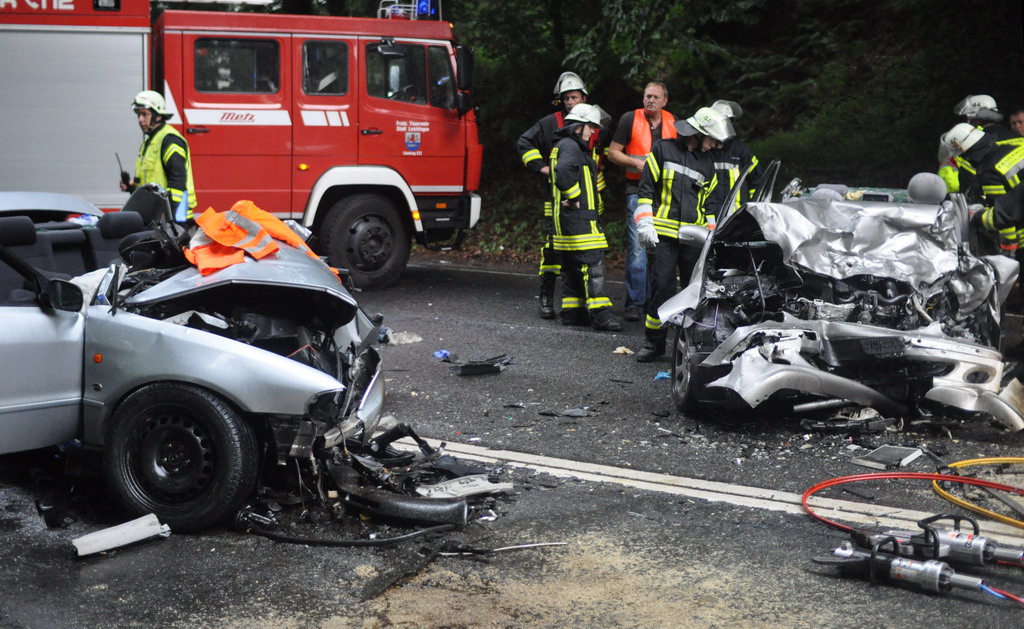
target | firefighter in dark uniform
[
  {"x": 732, "y": 161},
  {"x": 999, "y": 166},
  {"x": 960, "y": 174},
  {"x": 578, "y": 236},
  {"x": 677, "y": 180},
  {"x": 163, "y": 157},
  {"x": 534, "y": 148}
]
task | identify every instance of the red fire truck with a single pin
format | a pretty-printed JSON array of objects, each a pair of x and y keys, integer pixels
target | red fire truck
[{"x": 362, "y": 128}]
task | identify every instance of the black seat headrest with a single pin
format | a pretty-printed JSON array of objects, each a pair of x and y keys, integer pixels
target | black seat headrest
[
  {"x": 17, "y": 230},
  {"x": 120, "y": 224}
]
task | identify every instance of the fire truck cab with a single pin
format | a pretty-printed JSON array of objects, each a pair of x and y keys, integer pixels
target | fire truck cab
[{"x": 361, "y": 128}]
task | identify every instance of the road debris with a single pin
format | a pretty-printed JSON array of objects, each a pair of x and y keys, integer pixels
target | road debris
[
  {"x": 622, "y": 349},
  {"x": 141, "y": 529}
]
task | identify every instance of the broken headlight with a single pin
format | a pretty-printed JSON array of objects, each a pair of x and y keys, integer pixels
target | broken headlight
[{"x": 326, "y": 406}]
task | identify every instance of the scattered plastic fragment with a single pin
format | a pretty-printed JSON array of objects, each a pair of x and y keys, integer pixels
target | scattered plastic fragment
[
  {"x": 475, "y": 485},
  {"x": 442, "y": 354},
  {"x": 140, "y": 529},
  {"x": 496, "y": 364},
  {"x": 579, "y": 411},
  {"x": 403, "y": 338},
  {"x": 55, "y": 517},
  {"x": 623, "y": 350},
  {"x": 663, "y": 375}
]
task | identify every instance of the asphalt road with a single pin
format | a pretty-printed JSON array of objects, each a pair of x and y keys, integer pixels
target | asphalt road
[{"x": 634, "y": 556}]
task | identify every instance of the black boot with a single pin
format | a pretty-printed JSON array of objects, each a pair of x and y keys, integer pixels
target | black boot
[
  {"x": 651, "y": 351},
  {"x": 602, "y": 320},
  {"x": 546, "y": 309}
]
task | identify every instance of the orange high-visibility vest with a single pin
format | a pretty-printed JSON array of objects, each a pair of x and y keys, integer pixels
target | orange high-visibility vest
[
  {"x": 640, "y": 140},
  {"x": 225, "y": 237}
]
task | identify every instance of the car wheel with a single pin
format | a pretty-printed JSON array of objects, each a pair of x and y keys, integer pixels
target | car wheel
[
  {"x": 365, "y": 234},
  {"x": 180, "y": 452},
  {"x": 683, "y": 387}
]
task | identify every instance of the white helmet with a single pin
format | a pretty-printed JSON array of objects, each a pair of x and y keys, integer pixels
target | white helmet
[
  {"x": 971, "y": 105},
  {"x": 958, "y": 140},
  {"x": 568, "y": 82},
  {"x": 585, "y": 112},
  {"x": 728, "y": 108},
  {"x": 709, "y": 122},
  {"x": 149, "y": 99}
]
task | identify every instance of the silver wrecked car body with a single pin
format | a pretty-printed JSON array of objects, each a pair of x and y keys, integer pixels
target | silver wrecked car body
[
  {"x": 816, "y": 304},
  {"x": 187, "y": 383}
]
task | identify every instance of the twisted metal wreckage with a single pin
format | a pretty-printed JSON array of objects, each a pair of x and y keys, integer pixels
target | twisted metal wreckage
[{"x": 818, "y": 304}]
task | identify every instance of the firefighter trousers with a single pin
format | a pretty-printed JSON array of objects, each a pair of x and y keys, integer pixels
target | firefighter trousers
[
  {"x": 668, "y": 265},
  {"x": 583, "y": 296},
  {"x": 550, "y": 260}
]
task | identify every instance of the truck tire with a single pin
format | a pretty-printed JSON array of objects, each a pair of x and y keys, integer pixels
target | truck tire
[
  {"x": 365, "y": 234},
  {"x": 180, "y": 452}
]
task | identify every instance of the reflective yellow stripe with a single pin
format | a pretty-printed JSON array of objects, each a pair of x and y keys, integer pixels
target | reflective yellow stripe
[
  {"x": 531, "y": 155},
  {"x": 988, "y": 218},
  {"x": 993, "y": 190},
  {"x": 652, "y": 323},
  {"x": 652, "y": 163},
  {"x": 963, "y": 164},
  {"x": 599, "y": 302},
  {"x": 571, "y": 302},
  {"x": 573, "y": 192}
]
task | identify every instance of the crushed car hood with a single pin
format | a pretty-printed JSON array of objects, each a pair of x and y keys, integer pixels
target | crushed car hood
[{"x": 288, "y": 269}]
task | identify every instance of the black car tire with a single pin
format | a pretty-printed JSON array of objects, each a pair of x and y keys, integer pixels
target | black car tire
[
  {"x": 180, "y": 452},
  {"x": 683, "y": 385},
  {"x": 365, "y": 234}
]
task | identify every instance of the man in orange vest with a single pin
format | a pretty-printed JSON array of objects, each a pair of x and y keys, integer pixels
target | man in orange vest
[{"x": 636, "y": 133}]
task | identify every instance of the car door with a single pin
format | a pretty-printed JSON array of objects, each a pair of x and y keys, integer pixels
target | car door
[
  {"x": 408, "y": 119},
  {"x": 236, "y": 104},
  {"x": 41, "y": 386}
]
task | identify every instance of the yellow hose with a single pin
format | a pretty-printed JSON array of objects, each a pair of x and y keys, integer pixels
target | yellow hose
[{"x": 971, "y": 506}]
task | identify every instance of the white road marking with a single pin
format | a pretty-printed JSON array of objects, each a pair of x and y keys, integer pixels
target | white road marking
[{"x": 847, "y": 512}]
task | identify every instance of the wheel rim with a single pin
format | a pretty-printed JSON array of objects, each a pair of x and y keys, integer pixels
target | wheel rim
[
  {"x": 173, "y": 457},
  {"x": 681, "y": 368},
  {"x": 370, "y": 243}
]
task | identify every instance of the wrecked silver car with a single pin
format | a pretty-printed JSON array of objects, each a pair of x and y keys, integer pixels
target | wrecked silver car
[
  {"x": 816, "y": 304},
  {"x": 188, "y": 383}
]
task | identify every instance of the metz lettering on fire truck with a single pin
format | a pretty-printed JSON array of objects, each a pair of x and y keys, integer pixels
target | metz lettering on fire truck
[
  {"x": 363, "y": 129},
  {"x": 229, "y": 116}
]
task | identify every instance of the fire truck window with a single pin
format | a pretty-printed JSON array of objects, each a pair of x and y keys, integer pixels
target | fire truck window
[
  {"x": 246, "y": 66},
  {"x": 325, "y": 68},
  {"x": 442, "y": 84},
  {"x": 399, "y": 73}
]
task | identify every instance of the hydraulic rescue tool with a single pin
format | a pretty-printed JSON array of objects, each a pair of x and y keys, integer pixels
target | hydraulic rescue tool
[
  {"x": 952, "y": 545},
  {"x": 932, "y": 575}
]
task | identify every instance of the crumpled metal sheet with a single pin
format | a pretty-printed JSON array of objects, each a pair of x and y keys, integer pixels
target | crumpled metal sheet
[{"x": 842, "y": 239}]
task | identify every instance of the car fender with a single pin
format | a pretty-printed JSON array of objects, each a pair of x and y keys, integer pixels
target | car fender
[{"x": 125, "y": 351}]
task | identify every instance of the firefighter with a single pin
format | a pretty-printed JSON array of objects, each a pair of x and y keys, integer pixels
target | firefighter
[
  {"x": 980, "y": 111},
  {"x": 164, "y": 156},
  {"x": 534, "y": 148},
  {"x": 677, "y": 180},
  {"x": 636, "y": 132},
  {"x": 732, "y": 161},
  {"x": 578, "y": 236}
]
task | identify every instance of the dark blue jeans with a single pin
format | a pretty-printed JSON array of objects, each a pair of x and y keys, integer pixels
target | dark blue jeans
[{"x": 636, "y": 261}]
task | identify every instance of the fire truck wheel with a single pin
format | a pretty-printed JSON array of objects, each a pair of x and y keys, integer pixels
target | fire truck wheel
[
  {"x": 365, "y": 234},
  {"x": 180, "y": 452}
]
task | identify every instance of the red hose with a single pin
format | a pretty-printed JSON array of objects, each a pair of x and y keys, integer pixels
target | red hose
[{"x": 966, "y": 480}]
